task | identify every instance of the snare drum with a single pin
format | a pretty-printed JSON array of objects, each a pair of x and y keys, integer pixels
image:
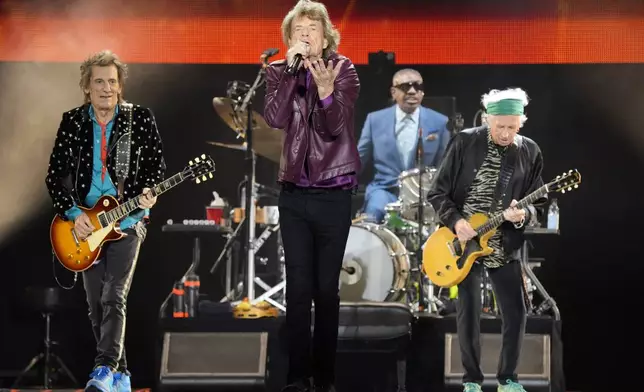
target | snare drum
[
  {"x": 410, "y": 194},
  {"x": 375, "y": 265}
]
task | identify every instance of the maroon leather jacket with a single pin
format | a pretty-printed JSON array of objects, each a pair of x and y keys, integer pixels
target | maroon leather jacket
[{"x": 323, "y": 137}]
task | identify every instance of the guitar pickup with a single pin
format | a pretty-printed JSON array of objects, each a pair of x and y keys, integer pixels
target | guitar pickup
[
  {"x": 455, "y": 247},
  {"x": 75, "y": 237}
]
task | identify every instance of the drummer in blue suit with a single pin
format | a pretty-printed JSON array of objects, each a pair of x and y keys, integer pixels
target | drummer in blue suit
[{"x": 389, "y": 139}]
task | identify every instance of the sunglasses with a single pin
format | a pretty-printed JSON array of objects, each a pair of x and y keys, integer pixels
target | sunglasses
[{"x": 405, "y": 87}]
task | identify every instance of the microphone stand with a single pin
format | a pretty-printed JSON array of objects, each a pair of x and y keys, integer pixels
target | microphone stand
[
  {"x": 250, "y": 159},
  {"x": 422, "y": 304}
]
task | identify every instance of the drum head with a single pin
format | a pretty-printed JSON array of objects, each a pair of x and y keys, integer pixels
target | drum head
[{"x": 368, "y": 267}]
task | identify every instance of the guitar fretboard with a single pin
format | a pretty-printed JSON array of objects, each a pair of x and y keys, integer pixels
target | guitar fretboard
[
  {"x": 126, "y": 208},
  {"x": 497, "y": 219}
]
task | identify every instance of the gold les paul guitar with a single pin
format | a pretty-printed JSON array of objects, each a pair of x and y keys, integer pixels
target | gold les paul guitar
[
  {"x": 447, "y": 261},
  {"x": 77, "y": 254}
]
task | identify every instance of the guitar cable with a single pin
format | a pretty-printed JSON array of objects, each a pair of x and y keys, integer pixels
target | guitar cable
[{"x": 53, "y": 268}]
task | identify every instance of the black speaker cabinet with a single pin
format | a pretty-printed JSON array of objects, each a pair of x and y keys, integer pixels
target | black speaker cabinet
[
  {"x": 534, "y": 361},
  {"x": 213, "y": 361}
]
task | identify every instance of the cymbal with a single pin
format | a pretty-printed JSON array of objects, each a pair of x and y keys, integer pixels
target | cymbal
[{"x": 267, "y": 141}]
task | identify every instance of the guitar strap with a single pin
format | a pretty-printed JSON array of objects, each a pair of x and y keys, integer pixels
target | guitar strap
[
  {"x": 507, "y": 169},
  {"x": 123, "y": 148}
]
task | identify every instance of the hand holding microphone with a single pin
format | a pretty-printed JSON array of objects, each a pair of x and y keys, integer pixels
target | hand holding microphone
[{"x": 295, "y": 55}]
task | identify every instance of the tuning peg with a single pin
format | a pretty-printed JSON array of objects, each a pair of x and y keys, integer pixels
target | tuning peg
[
  {"x": 197, "y": 159},
  {"x": 563, "y": 191},
  {"x": 558, "y": 177},
  {"x": 576, "y": 186},
  {"x": 569, "y": 171},
  {"x": 210, "y": 175},
  {"x": 198, "y": 181},
  {"x": 203, "y": 156},
  {"x": 204, "y": 178},
  {"x": 569, "y": 189},
  {"x": 190, "y": 163}
]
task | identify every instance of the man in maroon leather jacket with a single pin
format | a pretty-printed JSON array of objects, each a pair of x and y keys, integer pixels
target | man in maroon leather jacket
[{"x": 314, "y": 105}]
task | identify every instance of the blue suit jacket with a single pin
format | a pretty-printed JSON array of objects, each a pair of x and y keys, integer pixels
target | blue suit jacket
[{"x": 378, "y": 143}]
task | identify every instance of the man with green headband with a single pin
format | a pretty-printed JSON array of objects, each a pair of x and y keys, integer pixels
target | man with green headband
[{"x": 486, "y": 170}]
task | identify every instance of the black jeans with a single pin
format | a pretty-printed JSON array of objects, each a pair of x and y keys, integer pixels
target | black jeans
[
  {"x": 106, "y": 286},
  {"x": 507, "y": 283},
  {"x": 314, "y": 226}
]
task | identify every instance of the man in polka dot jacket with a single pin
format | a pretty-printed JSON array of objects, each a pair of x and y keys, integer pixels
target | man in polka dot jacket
[{"x": 82, "y": 168}]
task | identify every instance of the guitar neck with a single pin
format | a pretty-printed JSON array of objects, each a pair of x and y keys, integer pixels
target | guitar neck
[
  {"x": 126, "y": 208},
  {"x": 497, "y": 219}
]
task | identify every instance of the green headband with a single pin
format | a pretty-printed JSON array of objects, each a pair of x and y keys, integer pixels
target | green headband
[{"x": 505, "y": 107}]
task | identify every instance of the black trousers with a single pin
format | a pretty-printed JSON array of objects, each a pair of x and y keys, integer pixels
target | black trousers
[
  {"x": 507, "y": 283},
  {"x": 107, "y": 285},
  {"x": 315, "y": 226}
]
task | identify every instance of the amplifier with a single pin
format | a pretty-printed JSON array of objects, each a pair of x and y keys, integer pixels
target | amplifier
[
  {"x": 534, "y": 368},
  {"x": 213, "y": 361}
]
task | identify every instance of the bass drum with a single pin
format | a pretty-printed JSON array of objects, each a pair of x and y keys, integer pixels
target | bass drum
[{"x": 375, "y": 265}]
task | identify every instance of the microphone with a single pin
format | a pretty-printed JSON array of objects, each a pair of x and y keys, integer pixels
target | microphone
[
  {"x": 271, "y": 52},
  {"x": 268, "y": 53},
  {"x": 294, "y": 65}
]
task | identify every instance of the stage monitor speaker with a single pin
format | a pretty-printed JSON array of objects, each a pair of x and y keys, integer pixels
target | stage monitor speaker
[
  {"x": 534, "y": 361},
  {"x": 213, "y": 361}
]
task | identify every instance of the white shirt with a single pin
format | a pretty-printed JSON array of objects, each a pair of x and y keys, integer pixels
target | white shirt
[{"x": 406, "y": 132}]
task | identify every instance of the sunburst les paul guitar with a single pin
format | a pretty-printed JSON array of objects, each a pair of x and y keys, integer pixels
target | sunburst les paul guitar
[
  {"x": 447, "y": 261},
  {"x": 78, "y": 254}
]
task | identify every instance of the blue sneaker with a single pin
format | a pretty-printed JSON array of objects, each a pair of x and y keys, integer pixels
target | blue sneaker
[
  {"x": 122, "y": 382},
  {"x": 101, "y": 380}
]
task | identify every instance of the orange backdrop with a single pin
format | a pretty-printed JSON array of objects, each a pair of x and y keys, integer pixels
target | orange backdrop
[{"x": 237, "y": 31}]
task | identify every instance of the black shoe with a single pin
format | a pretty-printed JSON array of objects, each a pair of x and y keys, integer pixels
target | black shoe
[{"x": 299, "y": 386}]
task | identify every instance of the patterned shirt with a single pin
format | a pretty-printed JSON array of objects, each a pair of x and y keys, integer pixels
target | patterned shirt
[{"x": 480, "y": 197}]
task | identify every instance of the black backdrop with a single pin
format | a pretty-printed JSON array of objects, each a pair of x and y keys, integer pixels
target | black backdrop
[{"x": 581, "y": 115}]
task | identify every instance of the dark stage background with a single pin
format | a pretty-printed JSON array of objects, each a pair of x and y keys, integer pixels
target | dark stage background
[{"x": 579, "y": 60}]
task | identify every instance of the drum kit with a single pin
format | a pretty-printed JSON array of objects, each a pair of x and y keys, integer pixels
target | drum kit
[{"x": 381, "y": 260}]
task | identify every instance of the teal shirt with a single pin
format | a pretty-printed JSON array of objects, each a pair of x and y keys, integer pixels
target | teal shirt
[{"x": 99, "y": 186}]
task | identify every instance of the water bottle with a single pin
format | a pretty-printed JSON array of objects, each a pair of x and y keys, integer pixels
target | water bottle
[
  {"x": 178, "y": 299},
  {"x": 553, "y": 215},
  {"x": 192, "y": 295}
]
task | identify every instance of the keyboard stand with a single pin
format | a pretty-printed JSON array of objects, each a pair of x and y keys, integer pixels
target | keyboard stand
[
  {"x": 196, "y": 231},
  {"x": 548, "y": 301}
]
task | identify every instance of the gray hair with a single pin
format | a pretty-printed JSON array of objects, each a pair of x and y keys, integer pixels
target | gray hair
[
  {"x": 510, "y": 93},
  {"x": 314, "y": 11},
  {"x": 104, "y": 58}
]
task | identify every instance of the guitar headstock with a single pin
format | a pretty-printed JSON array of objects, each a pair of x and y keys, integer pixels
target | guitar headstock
[
  {"x": 565, "y": 182},
  {"x": 200, "y": 168}
]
